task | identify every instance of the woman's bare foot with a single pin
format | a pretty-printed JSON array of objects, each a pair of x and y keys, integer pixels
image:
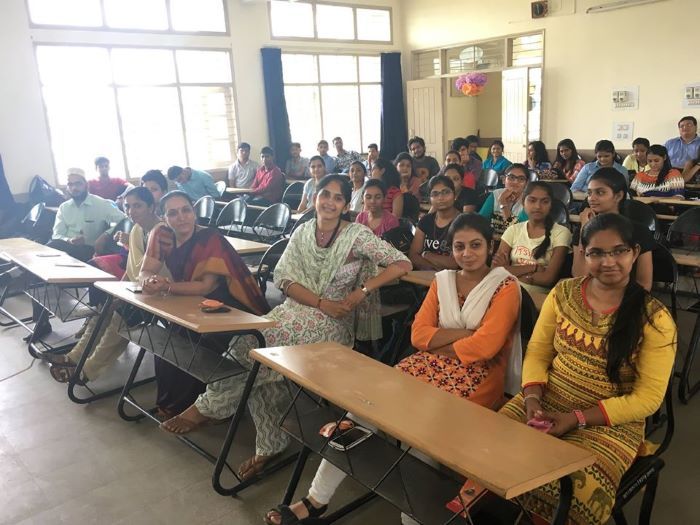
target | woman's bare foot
[
  {"x": 300, "y": 509},
  {"x": 253, "y": 466},
  {"x": 187, "y": 421}
]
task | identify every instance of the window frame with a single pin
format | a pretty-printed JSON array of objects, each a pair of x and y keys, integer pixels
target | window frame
[
  {"x": 105, "y": 28},
  {"x": 319, "y": 84},
  {"x": 114, "y": 87},
  {"x": 316, "y": 38}
]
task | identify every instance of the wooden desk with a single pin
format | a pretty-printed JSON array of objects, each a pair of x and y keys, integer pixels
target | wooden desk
[
  {"x": 692, "y": 186},
  {"x": 238, "y": 191},
  {"x": 20, "y": 245},
  {"x": 56, "y": 267},
  {"x": 246, "y": 247},
  {"x": 686, "y": 258},
  {"x": 506, "y": 456},
  {"x": 199, "y": 355},
  {"x": 677, "y": 202},
  {"x": 579, "y": 195},
  {"x": 562, "y": 181},
  {"x": 419, "y": 277},
  {"x": 296, "y": 216}
]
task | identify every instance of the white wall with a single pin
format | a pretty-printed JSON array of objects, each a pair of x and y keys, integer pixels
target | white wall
[
  {"x": 652, "y": 46},
  {"x": 24, "y": 136}
]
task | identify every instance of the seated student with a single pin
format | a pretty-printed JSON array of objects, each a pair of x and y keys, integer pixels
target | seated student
[
  {"x": 344, "y": 157},
  {"x": 496, "y": 160},
  {"x": 660, "y": 180},
  {"x": 538, "y": 160},
  {"x": 470, "y": 162},
  {"x": 140, "y": 206},
  {"x": 424, "y": 165},
  {"x": 686, "y": 146},
  {"x": 195, "y": 183},
  {"x": 297, "y": 167},
  {"x": 691, "y": 170},
  {"x": 268, "y": 185},
  {"x": 372, "y": 156},
  {"x": 327, "y": 273},
  {"x": 429, "y": 249},
  {"x": 466, "y": 199},
  {"x": 385, "y": 171},
  {"x": 242, "y": 172},
  {"x": 503, "y": 206},
  {"x": 322, "y": 149},
  {"x": 451, "y": 157},
  {"x": 183, "y": 258},
  {"x": 568, "y": 161},
  {"x": 105, "y": 186},
  {"x": 597, "y": 365},
  {"x": 605, "y": 158},
  {"x": 465, "y": 335},
  {"x": 358, "y": 176},
  {"x": 607, "y": 191},
  {"x": 410, "y": 180},
  {"x": 318, "y": 170},
  {"x": 374, "y": 216},
  {"x": 472, "y": 146},
  {"x": 534, "y": 251},
  {"x": 637, "y": 161}
]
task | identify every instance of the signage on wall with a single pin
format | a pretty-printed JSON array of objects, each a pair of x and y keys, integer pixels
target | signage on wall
[{"x": 623, "y": 131}]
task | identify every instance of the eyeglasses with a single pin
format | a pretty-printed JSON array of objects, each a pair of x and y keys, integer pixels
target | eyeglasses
[
  {"x": 515, "y": 178},
  {"x": 442, "y": 193},
  {"x": 616, "y": 253}
]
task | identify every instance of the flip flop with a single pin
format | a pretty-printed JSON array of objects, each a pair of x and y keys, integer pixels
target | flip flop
[
  {"x": 252, "y": 467},
  {"x": 62, "y": 374}
]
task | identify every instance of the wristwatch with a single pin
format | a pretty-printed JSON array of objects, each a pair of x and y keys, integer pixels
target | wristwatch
[
  {"x": 501, "y": 206},
  {"x": 581, "y": 419},
  {"x": 364, "y": 290}
]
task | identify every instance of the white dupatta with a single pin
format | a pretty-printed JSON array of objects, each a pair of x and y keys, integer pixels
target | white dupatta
[{"x": 469, "y": 316}]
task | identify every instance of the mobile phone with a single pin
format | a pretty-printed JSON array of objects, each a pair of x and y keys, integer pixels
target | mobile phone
[
  {"x": 135, "y": 288},
  {"x": 215, "y": 309},
  {"x": 542, "y": 425},
  {"x": 350, "y": 438}
]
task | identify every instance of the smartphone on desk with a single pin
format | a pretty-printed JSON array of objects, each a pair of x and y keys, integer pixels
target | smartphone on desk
[
  {"x": 135, "y": 288},
  {"x": 350, "y": 438}
]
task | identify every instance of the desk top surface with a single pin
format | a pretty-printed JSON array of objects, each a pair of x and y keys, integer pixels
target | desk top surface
[
  {"x": 184, "y": 310},
  {"x": 238, "y": 191},
  {"x": 244, "y": 246},
  {"x": 505, "y": 456},
  {"x": 50, "y": 265},
  {"x": 686, "y": 258}
]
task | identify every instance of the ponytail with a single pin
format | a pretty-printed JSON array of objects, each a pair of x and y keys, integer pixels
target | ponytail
[
  {"x": 544, "y": 246},
  {"x": 626, "y": 332}
]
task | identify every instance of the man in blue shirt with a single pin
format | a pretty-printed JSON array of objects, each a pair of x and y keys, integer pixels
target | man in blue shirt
[
  {"x": 685, "y": 147},
  {"x": 605, "y": 158},
  {"x": 327, "y": 159},
  {"x": 196, "y": 184}
]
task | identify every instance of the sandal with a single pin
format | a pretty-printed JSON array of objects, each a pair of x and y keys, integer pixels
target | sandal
[
  {"x": 58, "y": 359},
  {"x": 289, "y": 518},
  {"x": 252, "y": 467},
  {"x": 62, "y": 374}
]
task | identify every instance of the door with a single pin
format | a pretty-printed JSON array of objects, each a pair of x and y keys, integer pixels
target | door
[
  {"x": 424, "y": 114},
  {"x": 514, "y": 111}
]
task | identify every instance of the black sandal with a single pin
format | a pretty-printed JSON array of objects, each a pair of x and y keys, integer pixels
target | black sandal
[{"x": 289, "y": 518}]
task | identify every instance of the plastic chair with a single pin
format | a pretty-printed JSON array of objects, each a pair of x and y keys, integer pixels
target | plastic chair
[
  {"x": 562, "y": 193},
  {"x": 220, "y": 187},
  {"x": 268, "y": 263},
  {"x": 305, "y": 217},
  {"x": 204, "y": 210},
  {"x": 411, "y": 207},
  {"x": 399, "y": 237},
  {"x": 533, "y": 175},
  {"x": 37, "y": 225},
  {"x": 560, "y": 213},
  {"x": 232, "y": 217},
  {"x": 271, "y": 224},
  {"x": 292, "y": 195},
  {"x": 489, "y": 179},
  {"x": 640, "y": 212}
]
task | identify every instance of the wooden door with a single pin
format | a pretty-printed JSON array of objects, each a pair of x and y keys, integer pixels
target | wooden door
[
  {"x": 514, "y": 111},
  {"x": 424, "y": 114}
]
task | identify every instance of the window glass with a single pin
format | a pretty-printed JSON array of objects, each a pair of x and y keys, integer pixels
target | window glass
[
  {"x": 335, "y": 22},
  {"x": 299, "y": 69},
  {"x": 374, "y": 24},
  {"x": 291, "y": 19},
  {"x": 338, "y": 68},
  {"x": 73, "y": 65},
  {"x": 198, "y": 15},
  {"x": 83, "y": 13},
  {"x": 304, "y": 110},
  {"x": 371, "y": 103},
  {"x": 203, "y": 67},
  {"x": 370, "y": 69},
  {"x": 341, "y": 115},
  {"x": 143, "y": 66},
  {"x": 136, "y": 14}
]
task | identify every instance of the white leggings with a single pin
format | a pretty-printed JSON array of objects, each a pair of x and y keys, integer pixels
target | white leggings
[{"x": 328, "y": 477}]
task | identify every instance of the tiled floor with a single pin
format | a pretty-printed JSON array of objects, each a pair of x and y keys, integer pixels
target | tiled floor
[{"x": 65, "y": 463}]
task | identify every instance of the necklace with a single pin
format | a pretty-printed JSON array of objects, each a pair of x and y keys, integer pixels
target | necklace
[{"x": 321, "y": 235}]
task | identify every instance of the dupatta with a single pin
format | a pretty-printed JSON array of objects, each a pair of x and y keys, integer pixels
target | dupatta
[
  {"x": 314, "y": 268},
  {"x": 471, "y": 313}
]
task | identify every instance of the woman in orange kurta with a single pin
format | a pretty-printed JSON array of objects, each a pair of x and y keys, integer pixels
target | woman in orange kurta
[{"x": 464, "y": 333}]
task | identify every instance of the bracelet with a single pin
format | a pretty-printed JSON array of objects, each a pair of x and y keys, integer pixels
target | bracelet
[
  {"x": 318, "y": 304},
  {"x": 531, "y": 396}
]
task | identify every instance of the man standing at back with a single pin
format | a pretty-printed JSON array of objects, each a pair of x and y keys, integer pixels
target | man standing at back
[
  {"x": 105, "y": 186},
  {"x": 268, "y": 185},
  {"x": 242, "y": 172},
  {"x": 685, "y": 147},
  {"x": 424, "y": 165},
  {"x": 196, "y": 184}
]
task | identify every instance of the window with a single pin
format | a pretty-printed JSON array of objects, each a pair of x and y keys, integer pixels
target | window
[
  {"x": 143, "y": 108},
  {"x": 317, "y": 20},
  {"x": 178, "y": 16},
  {"x": 333, "y": 95}
]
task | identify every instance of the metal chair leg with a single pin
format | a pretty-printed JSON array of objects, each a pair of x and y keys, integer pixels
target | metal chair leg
[
  {"x": 685, "y": 390},
  {"x": 619, "y": 517},
  {"x": 648, "y": 500}
]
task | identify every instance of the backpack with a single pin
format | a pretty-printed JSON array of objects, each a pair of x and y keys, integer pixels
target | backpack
[{"x": 42, "y": 191}]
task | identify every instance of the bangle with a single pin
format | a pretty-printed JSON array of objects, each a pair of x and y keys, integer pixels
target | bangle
[
  {"x": 580, "y": 418},
  {"x": 168, "y": 292},
  {"x": 318, "y": 304},
  {"x": 531, "y": 396}
]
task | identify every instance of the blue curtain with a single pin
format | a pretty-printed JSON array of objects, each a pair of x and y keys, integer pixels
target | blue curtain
[
  {"x": 394, "y": 133},
  {"x": 7, "y": 201},
  {"x": 277, "y": 118}
]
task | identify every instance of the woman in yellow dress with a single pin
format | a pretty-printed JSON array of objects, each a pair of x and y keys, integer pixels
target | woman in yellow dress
[{"x": 597, "y": 365}]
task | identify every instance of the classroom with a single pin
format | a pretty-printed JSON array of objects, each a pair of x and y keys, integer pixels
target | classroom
[{"x": 353, "y": 261}]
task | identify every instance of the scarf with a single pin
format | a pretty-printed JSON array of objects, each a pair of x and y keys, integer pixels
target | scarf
[{"x": 470, "y": 315}]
